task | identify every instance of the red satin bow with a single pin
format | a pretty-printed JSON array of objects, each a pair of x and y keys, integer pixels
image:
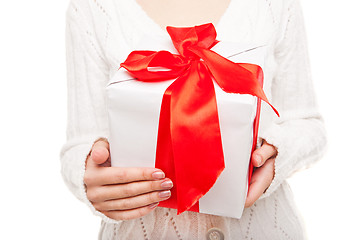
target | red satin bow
[{"x": 189, "y": 147}]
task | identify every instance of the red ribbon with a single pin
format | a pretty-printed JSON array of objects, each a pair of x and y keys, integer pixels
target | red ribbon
[{"x": 189, "y": 147}]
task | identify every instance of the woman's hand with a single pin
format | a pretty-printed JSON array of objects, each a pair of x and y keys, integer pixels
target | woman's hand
[
  {"x": 263, "y": 158},
  {"x": 122, "y": 193}
]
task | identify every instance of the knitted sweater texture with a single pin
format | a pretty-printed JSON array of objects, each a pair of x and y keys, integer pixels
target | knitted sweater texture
[{"x": 101, "y": 33}]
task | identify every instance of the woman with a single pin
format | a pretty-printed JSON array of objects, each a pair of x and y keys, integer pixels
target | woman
[{"x": 101, "y": 33}]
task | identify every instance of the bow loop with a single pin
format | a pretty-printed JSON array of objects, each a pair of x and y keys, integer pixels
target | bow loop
[
  {"x": 203, "y": 36},
  {"x": 141, "y": 65}
]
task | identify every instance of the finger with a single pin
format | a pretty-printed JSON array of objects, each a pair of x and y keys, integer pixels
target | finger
[
  {"x": 111, "y": 192},
  {"x": 130, "y": 214},
  {"x": 100, "y": 151},
  {"x": 260, "y": 181},
  {"x": 133, "y": 202},
  {"x": 262, "y": 154},
  {"x": 116, "y": 175}
]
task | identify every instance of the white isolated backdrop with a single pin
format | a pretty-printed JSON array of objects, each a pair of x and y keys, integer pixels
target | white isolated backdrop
[
  {"x": 35, "y": 204},
  {"x": 327, "y": 193}
]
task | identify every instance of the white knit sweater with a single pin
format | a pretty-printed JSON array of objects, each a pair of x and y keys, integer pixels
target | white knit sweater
[{"x": 101, "y": 33}]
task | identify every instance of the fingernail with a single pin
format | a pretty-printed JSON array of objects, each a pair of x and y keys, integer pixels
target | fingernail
[
  {"x": 165, "y": 194},
  {"x": 158, "y": 175},
  {"x": 166, "y": 184},
  {"x": 154, "y": 205}
]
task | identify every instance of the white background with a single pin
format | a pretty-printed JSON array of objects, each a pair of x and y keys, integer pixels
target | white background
[{"x": 34, "y": 202}]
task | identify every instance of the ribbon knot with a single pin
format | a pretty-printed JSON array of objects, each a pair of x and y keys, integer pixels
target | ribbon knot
[{"x": 189, "y": 147}]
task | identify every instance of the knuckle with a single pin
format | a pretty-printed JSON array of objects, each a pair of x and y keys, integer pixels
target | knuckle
[
  {"x": 143, "y": 211},
  {"x": 146, "y": 173},
  {"x": 91, "y": 194},
  {"x": 97, "y": 206},
  {"x": 94, "y": 194},
  {"x": 153, "y": 185},
  {"x": 111, "y": 205},
  {"x": 108, "y": 214},
  {"x": 271, "y": 151},
  {"x": 129, "y": 190},
  {"x": 260, "y": 155},
  {"x": 88, "y": 178},
  {"x": 126, "y": 203},
  {"x": 120, "y": 176},
  {"x": 105, "y": 206},
  {"x": 153, "y": 197}
]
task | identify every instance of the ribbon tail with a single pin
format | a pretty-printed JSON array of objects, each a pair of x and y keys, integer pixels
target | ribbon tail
[
  {"x": 233, "y": 77},
  {"x": 164, "y": 151},
  {"x": 195, "y": 135}
]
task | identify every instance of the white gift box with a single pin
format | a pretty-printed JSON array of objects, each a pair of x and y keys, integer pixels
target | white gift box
[{"x": 134, "y": 110}]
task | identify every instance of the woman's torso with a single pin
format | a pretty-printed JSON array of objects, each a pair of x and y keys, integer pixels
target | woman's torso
[{"x": 120, "y": 26}]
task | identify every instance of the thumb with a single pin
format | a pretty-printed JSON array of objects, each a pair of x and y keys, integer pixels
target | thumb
[
  {"x": 262, "y": 154},
  {"x": 100, "y": 151}
]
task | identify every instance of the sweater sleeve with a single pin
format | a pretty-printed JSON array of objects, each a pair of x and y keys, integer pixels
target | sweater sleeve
[
  {"x": 299, "y": 134},
  {"x": 87, "y": 76}
]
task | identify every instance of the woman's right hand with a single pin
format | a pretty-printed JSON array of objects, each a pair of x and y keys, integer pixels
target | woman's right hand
[{"x": 122, "y": 193}]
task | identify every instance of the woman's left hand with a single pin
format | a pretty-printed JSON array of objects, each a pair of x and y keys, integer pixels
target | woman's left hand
[{"x": 263, "y": 159}]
